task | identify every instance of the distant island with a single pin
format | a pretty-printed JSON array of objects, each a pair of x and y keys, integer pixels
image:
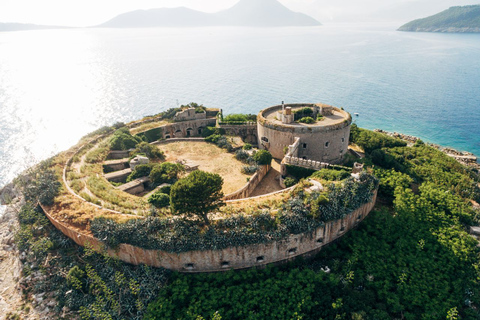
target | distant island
[
  {"x": 454, "y": 19},
  {"x": 25, "y": 26},
  {"x": 251, "y": 13}
]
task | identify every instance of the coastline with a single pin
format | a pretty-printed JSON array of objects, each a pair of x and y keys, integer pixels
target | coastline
[{"x": 464, "y": 157}]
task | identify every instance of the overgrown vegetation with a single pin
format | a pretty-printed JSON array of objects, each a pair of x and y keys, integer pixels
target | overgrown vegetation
[{"x": 84, "y": 283}]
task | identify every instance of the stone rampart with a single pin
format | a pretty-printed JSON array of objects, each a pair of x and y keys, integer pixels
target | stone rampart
[
  {"x": 247, "y": 131},
  {"x": 247, "y": 190},
  {"x": 305, "y": 244}
]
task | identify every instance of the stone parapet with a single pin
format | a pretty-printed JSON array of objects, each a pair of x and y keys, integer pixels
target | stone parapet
[{"x": 242, "y": 257}]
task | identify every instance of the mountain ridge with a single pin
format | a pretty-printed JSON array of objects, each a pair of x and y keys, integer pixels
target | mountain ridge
[
  {"x": 454, "y": 19},
  {"x": 254, "y": 13}
]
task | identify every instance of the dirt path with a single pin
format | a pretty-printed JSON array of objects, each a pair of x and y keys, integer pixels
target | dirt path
[{"x": 270, "y": 181}]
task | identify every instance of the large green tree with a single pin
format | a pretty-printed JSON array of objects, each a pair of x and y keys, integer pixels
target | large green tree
[{"x": 197, "y": 194}]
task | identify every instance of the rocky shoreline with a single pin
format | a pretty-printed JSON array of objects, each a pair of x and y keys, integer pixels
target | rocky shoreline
[
  {"x": 13, "y": 302},
  {"x": 464, "y": 157}
]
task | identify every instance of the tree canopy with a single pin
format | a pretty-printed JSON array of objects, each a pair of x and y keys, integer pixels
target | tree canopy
[{"x": 197, "y": 194}]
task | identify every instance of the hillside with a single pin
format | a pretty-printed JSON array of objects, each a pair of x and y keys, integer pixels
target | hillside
[
  {"x": 454, "y": 19},
  {"x": 264, "y": 13}
]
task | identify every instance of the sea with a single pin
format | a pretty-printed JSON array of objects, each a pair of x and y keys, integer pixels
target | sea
[{"x": 58, "y": 85}]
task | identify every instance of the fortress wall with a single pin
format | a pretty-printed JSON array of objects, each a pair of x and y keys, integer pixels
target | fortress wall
[
  {"x": 248, "y": 132},
  {"x": 306, "y": 244},
  {"x": 192, "y": 128},
  {"x": 327, "y": 143},
  {"x": 247, "y": 190}
]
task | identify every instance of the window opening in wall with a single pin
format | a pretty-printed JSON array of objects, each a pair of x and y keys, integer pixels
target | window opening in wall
[
  {"x": 304, "y": 158},
  {"x": 304, "y": 146},
  {"x": 292, "y": 250},
  {"x": 327, "y": 144},
  {"x": 265, "y": 139},
  {"x": 260, "y": 259},
  {"x": 359, "y": 217},
  {"x": 225, "y": 264},
  {"x": 342, "y": 228},
  {"x": 320, "y": 240},
  {"x": 343, "y": 139},
  {"x": 189, "y": 266},
  {"x": 167, "y": 137}
]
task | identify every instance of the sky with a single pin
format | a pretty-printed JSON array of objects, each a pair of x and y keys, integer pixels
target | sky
[{"x": 82, "y": 13}]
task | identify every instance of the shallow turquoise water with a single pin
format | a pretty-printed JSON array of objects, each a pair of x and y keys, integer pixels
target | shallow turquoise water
[{"x": 57, "y": 85}]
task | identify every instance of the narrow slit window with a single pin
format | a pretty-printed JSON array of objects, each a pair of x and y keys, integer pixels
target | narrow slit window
[{"x": 327, "y": 144}]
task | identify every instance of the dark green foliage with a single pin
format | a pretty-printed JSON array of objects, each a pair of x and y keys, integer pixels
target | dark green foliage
[
  {"x": 89, "y": 284},
  {"x": 166, "y": 172},
  {"x": 159, "y": 200},
  {"x": 239, "y": 118},
  {"x": 263, "y": 157},
  {"x": 290, "y": 182},
  {"x": 170, "y": 113},
  {"x": 331, "y": 174},
  {"x": 177, "y": 235},
  {"x": 247, "y": 146},
  {"x": 197, "y": 194},
  {"x": 370, "y": 140},
  {"x": 142, "y": 170},
  {"x": 208, "y": 131},
  {"x": 454, "y": 17},
  {"x": 43, "y": 187},
  {"x": 165, "y": 189},
  {"x": 274, "y": 293},
  {"x": 151, "y": 135},
  {"x": 150, "y": 151},
  {"x": 199, "y": 108},
  {"x": 307, "y": 120},
  {"x": 299, "y": 172},
  {"x": 123, "y": 140}
]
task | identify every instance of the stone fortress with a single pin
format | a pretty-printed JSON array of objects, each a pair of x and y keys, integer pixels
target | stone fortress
[{"x": 316, "y": 145}]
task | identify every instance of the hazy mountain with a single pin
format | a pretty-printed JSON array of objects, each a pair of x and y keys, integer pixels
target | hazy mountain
[
  {"x": 25, "y": 26},
  {"x": 266, "y": 13},
  {"x": 454, "y": 19}
]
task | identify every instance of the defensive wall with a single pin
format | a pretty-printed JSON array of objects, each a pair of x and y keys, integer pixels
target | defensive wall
[
  {"x": 247, "y": 131},
  {"x": 324, "y": 141},
  {"x": 258, "y": 255}
]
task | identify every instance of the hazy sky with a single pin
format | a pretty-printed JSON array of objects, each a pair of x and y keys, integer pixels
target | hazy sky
[{"x": 92, "y": 12}]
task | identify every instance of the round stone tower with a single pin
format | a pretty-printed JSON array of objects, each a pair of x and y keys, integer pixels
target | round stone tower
[{"x": 325, "y": 139}]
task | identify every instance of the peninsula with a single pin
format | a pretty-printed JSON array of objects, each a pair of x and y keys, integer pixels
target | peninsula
[{"x": 455, "y": 19}]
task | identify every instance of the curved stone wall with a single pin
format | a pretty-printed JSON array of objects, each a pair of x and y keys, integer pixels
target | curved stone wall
[
  {"x": 305, "y": 244},
  {"x": 319, "y": 142}
]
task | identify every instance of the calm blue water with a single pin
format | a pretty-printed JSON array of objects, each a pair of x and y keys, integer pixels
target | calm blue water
[{"x": 57, "y": 85}]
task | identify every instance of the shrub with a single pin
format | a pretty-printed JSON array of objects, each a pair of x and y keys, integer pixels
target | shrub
[
  {"x": 44, "y": 188},
  {"x": 249, "y": 169},
  {"x": 165, "y": 189},
  {"x": 166, "y": 172},
  {"x": 241, "y": 155},
  {"x": 263, "y": 157},
  {"x": 289, "y": 182},
  {"x": 142, "y": 170},
  {"x": 307, "y": 120},
  {"x": 370, "y": 140},
  {"x": 208, "y": 131},
  {"x": 240, "y": 118},
  {"x": 331, "y": 174},
  {"x": 123, "y": 140},
  {"x": 151, "y": 135},
  {"x": 247, "y": 146},
  {"x": 159, "y": 200},
  {"x": 150, "y": 151}
]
